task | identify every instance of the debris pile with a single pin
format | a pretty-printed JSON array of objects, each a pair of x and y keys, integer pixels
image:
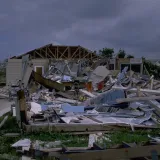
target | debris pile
[
  {"x": 90, "y": 95},
  {"x": 83, "y": 97}
]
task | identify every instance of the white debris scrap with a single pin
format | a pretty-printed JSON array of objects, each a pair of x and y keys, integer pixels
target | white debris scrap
[
  {"x": 35, "y": 107},
  {"x": 22, "y": 143}
]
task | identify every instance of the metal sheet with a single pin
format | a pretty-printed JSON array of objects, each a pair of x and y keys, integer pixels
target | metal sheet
[
  {"x": 108, "y": 97},
  {"x": 129, "y": 121},
  {"x": 68, "y": 108}
]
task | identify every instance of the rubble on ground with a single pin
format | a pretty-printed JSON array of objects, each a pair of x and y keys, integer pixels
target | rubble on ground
[
  {"x": 76, "y": 97},
  {"x": 97, "y": 96}
]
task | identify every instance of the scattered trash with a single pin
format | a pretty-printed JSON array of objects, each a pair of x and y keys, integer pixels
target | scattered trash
[
  {"x": 93, "y": 138},
  {"x": 83, "y": 97},
  {"x": 22, "y": 143},
  {"x": 65, "y": 94}
]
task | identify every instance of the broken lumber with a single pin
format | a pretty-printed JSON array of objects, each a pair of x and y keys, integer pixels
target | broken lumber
[
  {"x": 11, "y": 135},
  {"x": 122, "y": 153},
  {"x": 65, "y": 100},
  {"x": 3, "y": 96},
  {"x": 135, "y": 90},
  {"x": 3, "y": 122},
  {"x": 60, "y": 149},
  {"x": 87, "y": 93},
  {"x": 121, "y": 100},
  {"x": 63, "y": 127},
  {"x": 65, "y": 95},
  {"x": 155, "y": 105},
  {"x": 47, "y": 82},
  {"x": 22, "y": 106}
]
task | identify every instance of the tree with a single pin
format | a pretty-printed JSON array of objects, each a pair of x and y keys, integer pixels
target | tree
[
  {"x": 95, "y": 51},
  {"x": 130, "y": 56},
  {"x": 107, "y": 52},
  {"x": 121, "y": 54},
  {"x": 143, "y": 58}
]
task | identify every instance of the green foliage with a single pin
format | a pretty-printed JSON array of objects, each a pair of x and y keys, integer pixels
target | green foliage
[
  {"x": 130, "y": 56},
  {"x": 107, "y": 52},
  {"x": 10, "y": 125},
  {"x": 119, "y": 137},
  {"x": 2, "y": 73},
  {"x": 121, "y": 53},
  {"x": 152, "y": 69},
  {"x": 67, "y": 139},
  {"x": 5, "y": 145},
  {"x": 127, "y": 136}
]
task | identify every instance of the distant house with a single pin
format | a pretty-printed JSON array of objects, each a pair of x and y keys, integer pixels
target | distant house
[
  {"x": 134, "y": 64},
  {"x": 41, "y": 57}
]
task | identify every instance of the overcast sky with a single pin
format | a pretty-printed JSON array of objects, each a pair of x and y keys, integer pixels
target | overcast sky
[{"x": 133, "y": 25}]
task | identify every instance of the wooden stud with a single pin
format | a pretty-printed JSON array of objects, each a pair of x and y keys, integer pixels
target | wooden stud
[
  {"x": 54, "y": 56},
  {"x": 122, "y": 153},
  {"x": 63, "y": 127},
  {"x": 79, "y": 53},
  {"x": 46, "y": 53},
  {"x": 122, "y": 100},
  {"x": 69, "y": 52},
  {"x": 62, "y": 54},
  {"x": 75, "y": 52},
  {"x": 22, "y": 106},
  {"x": 39, "y": 54},
  {"x": 57, "y": 53},
  {"x": 135, "y": 90},
  {"x": 34, "y": 55},
  {"x": 86, "y": 55}
]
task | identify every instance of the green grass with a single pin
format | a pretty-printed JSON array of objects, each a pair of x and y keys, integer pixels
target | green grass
[
  {"x": 117, "y": 137},
  {"x": 10, "y": 125},
  {"x": 128, "y": 136},
  {"x": 5, "y": 145},
  {"x": 67, "y": 139}
]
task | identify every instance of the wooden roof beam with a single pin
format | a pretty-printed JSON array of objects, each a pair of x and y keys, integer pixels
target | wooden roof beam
[
  {"x": 61, "y": 55},
  {"x": 39, "y": 54},
  {"x": 75, "y": 52},
  {"x": 64, "y": 52},
  {"x": 51, "y": 52},
  {"x": 86, "y": 55},
  {"x": 46, "y": 53}
]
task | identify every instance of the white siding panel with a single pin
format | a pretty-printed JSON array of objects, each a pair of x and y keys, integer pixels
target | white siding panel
[
  {"x": 41, "y": 62},
  {"x": 13, "y": 70}
]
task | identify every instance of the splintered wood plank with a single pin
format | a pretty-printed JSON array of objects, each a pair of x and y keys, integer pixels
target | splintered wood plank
[
  {"x": 77, "y": 127},
  {"x": 133, "y": 99},
  {"x": 110, "y": 154}
]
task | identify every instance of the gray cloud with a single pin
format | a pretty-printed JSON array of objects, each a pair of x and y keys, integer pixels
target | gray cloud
[{"x": 129, "y": 24}]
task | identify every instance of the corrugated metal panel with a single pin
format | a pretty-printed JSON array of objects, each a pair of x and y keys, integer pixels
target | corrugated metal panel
[{"x": 13, "y": 70}]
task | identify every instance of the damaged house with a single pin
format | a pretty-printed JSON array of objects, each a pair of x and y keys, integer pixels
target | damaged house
[
  {"x": 41, "y": 58},
  {"x": 75, "y": 86},
  {"x": 134, "y": 64},
  {"x": 79, "y": 93}
]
